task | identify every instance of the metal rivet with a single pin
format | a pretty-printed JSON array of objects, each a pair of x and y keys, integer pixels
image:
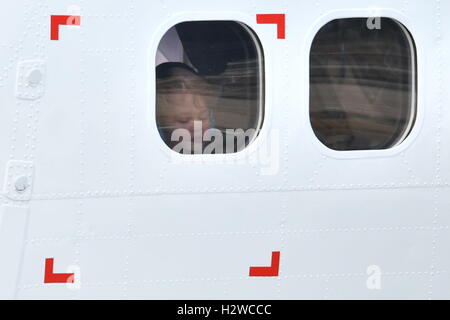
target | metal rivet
[
  {"x": 34, "y": 77},
  {"x": 21, "y": 184}
]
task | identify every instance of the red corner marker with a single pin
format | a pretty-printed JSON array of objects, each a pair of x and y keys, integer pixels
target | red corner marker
[
  {"x": 271, "y": 271},
  {"x": 278, "y": 19},
  {"x": 56, "y": 21},
  {"x": 51, "y": 277}
]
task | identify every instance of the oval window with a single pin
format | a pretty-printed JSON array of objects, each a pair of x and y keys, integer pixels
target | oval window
[
  {"x": 362, "y": 84},
  {"x": 209, "y": 87}
]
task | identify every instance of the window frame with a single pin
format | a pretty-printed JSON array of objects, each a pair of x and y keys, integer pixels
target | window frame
[
  {"x": 251, "y": 27},
  {"x": 416, "y": 121}
]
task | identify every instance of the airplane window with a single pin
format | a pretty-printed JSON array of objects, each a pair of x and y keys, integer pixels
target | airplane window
[
  {"x": 362, "y": 84},
  {"x": 209, "y": 87}
]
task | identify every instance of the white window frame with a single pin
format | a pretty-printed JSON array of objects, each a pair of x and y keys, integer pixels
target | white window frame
[
  {"x": 417, "y": 118},
  {"x": 247, "y": 21}
]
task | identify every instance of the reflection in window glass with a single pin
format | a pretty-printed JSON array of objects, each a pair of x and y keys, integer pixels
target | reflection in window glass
[
  {"x": 209, "y": 87},
  {"x": 362, "y": 84}
]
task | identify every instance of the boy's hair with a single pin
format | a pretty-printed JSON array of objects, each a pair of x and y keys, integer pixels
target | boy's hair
[{"x": 177, "y": 76}]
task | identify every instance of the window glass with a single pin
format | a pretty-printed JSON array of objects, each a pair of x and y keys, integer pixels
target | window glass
[
  {"x": 362, "y": 84},
  {"x": 209, "y": 87}
]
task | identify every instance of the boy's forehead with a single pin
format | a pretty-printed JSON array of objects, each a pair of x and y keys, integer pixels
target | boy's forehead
[{"x": 186, "y": 97}]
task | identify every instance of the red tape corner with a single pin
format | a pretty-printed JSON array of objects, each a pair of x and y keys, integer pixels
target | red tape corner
[
  {"x": 51, "y": 277},
  {"x": 271, "y": 271},
  {"x": 278, "y": 19},
  {"x": 56, "y": 21}
]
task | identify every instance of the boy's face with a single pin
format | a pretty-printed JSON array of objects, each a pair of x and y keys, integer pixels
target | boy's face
[{"x": 185, "y": 108}]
